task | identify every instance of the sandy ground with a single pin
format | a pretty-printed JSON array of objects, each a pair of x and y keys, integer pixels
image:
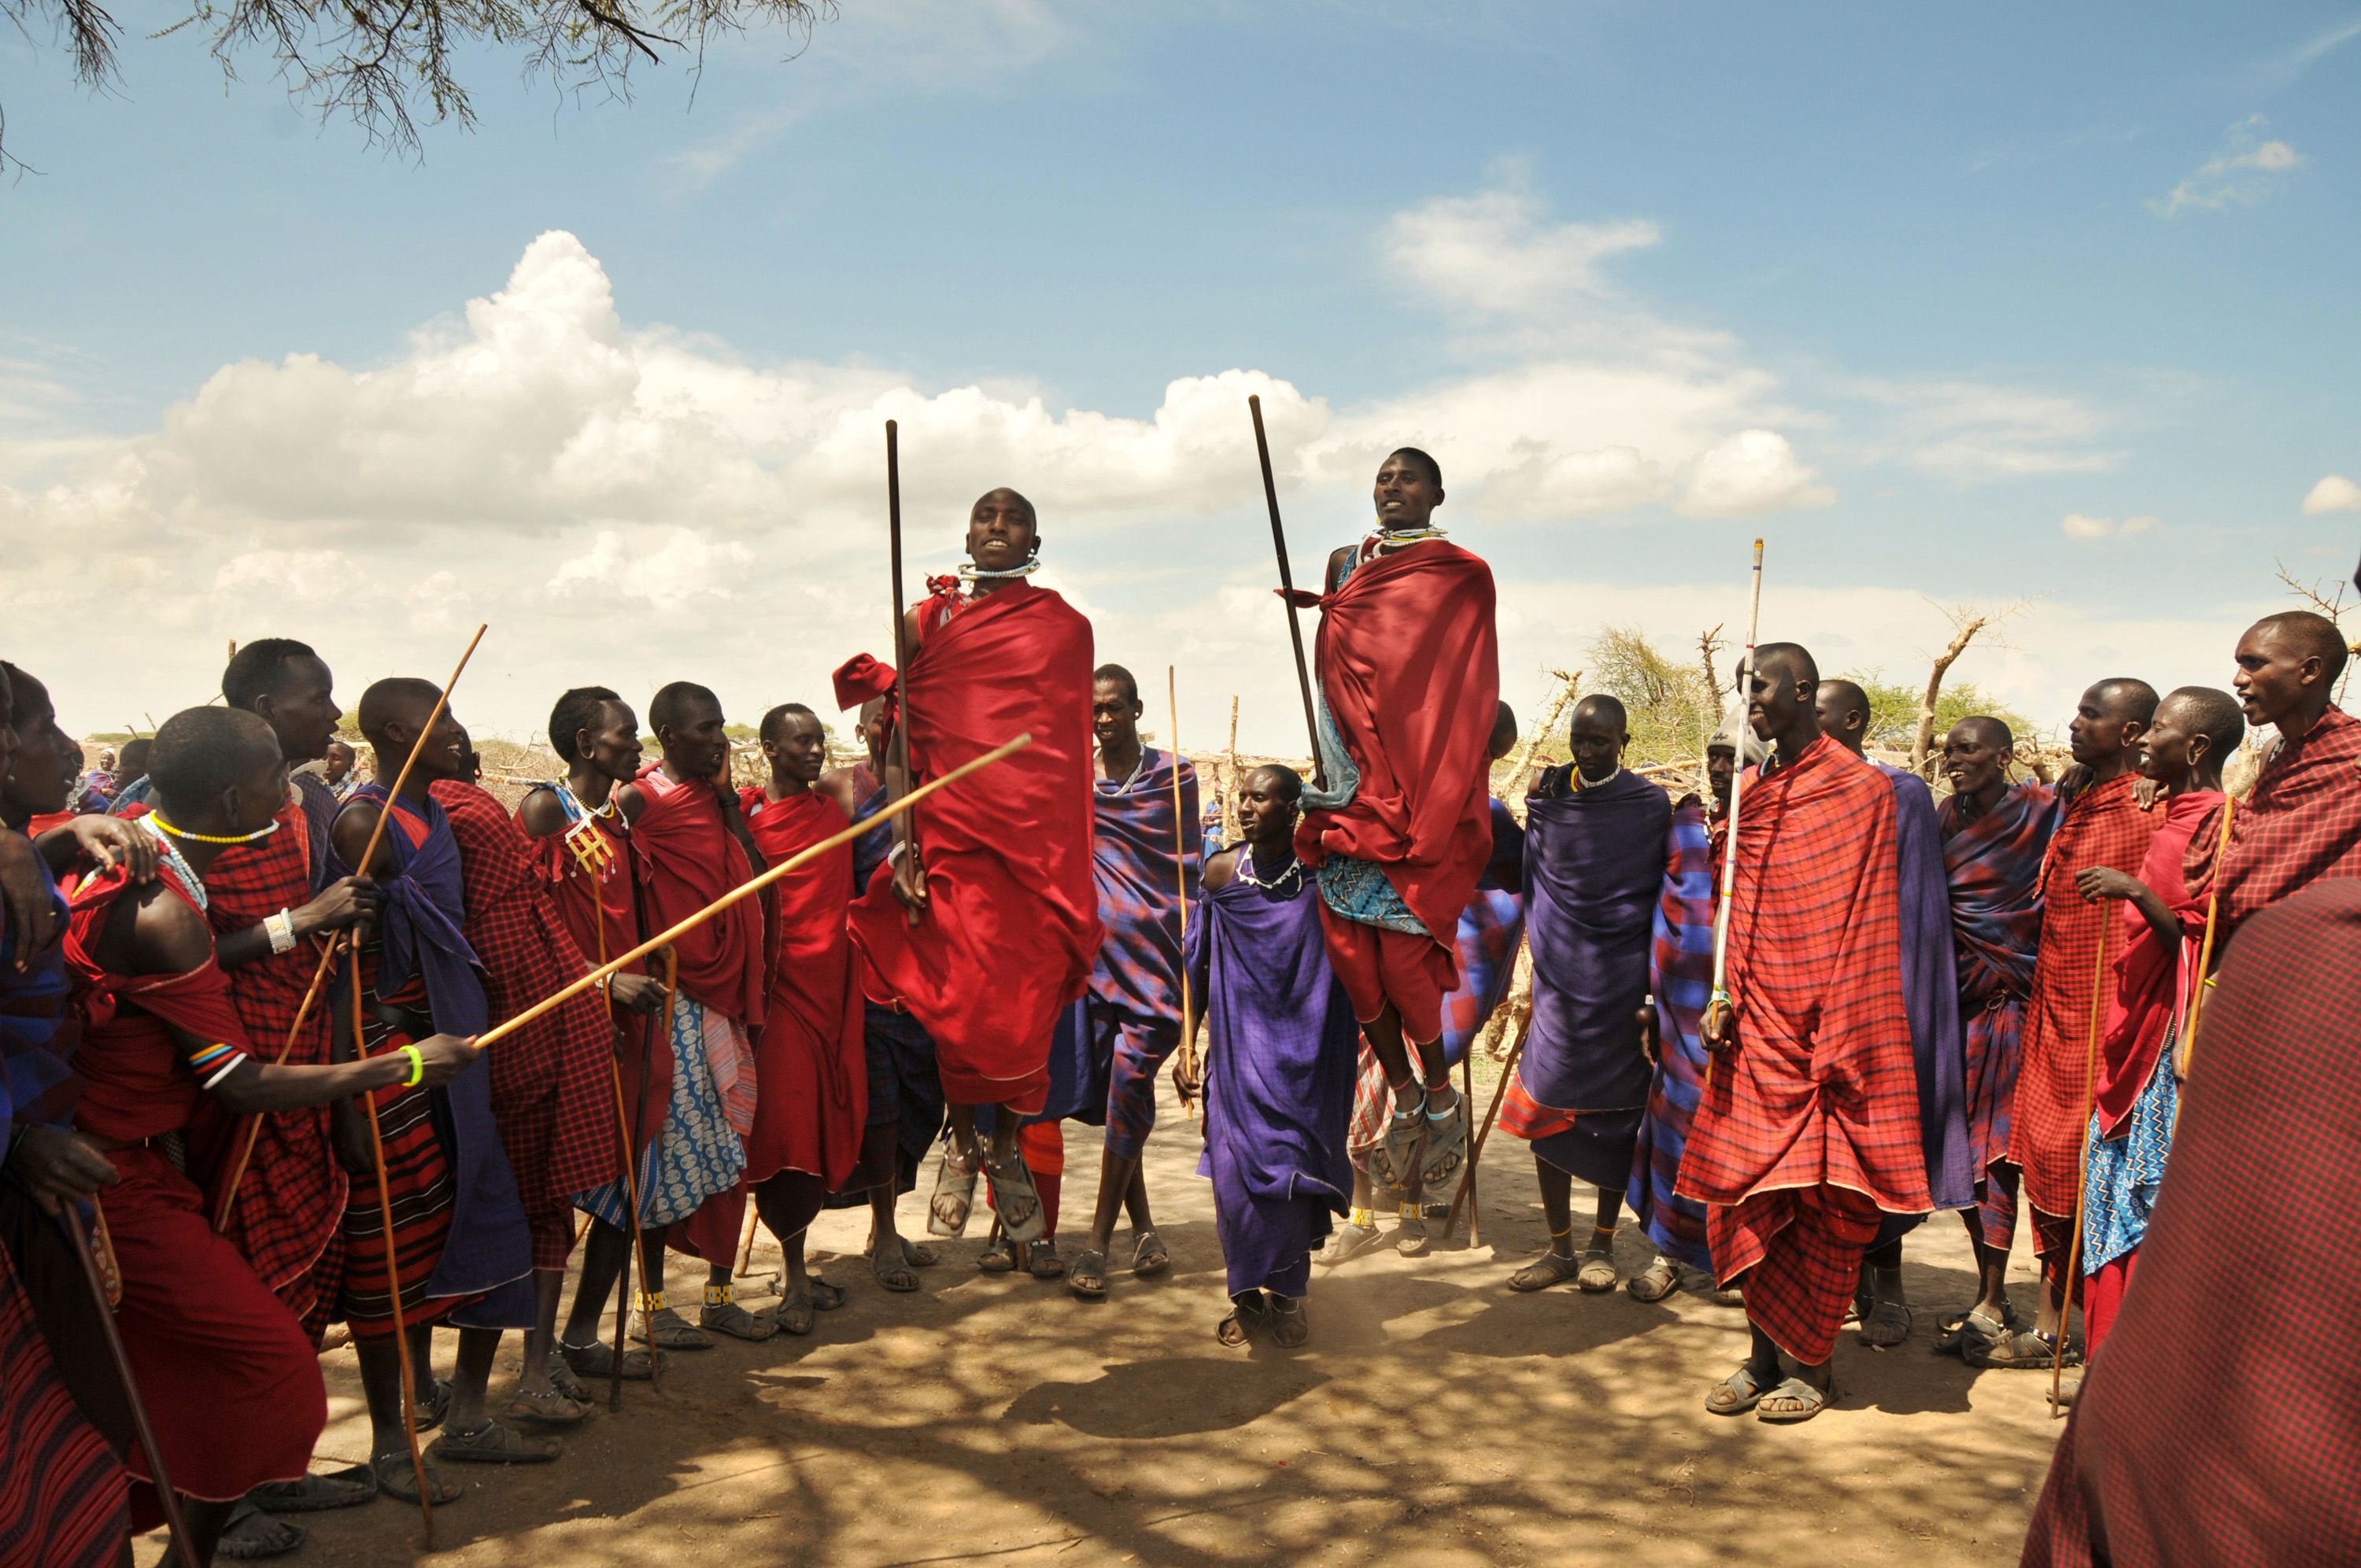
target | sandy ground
[{"x": 1434, "y": 1418}]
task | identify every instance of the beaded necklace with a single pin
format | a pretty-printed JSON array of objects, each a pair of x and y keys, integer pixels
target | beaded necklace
[{"x": 191, "y": 884}]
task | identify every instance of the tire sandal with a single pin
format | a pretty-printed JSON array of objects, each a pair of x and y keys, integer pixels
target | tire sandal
[
  {"x": 1446, "y": 1143},
  {"x": 796, "y": 1314},
  {"x": 549, "y": 1408},
  {"x": 1552, "y": 1267},
  {"x": 1247, "y": 1314},
  {"x": 1148, "y": 1256},
  {"x": 893, "y": 1268},
  {"x": 562, "y": 1378},
  {"x": 430, "y": 1411},
  {"x": 1886, "y": 1325},
  {"x": 1736, "y": 1394},
  {"x": 348, "y": 1487},
  {"x": 398, "y": 1478},
  {"x": 1394, "y": 1155},
  {"x": 2024, "y": 1350},
  {"x": 1596, "y": 1277},
  {"x": 1410, "y": 1239},
  {"x": 1290, "y": 1327},
  {"x": 1656, "y": 1282},
  {"x": 655, "y": 1323},
  {"x": 1015, "y": 1199},
  {"x": 253, "y": 1534},
  {"x": 1086, "y": 1276},
  {"x": 723, "y": 1315},
  {"x": 597, "y": 1359},
  {"x": 1807, "y": 1403},
  {"x": 493, "y": 1444},
  {"x": 1347, "y": 1242},
  {"x": 1042, "y": 1262},
  {"x": 1960, "y": 1330},
  {"x": 999, "y": 1255},
  {"x": 953, "y": 1200}
]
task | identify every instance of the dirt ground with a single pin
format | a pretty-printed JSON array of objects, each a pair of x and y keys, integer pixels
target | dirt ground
[{"x": 1435, "y": 1418}]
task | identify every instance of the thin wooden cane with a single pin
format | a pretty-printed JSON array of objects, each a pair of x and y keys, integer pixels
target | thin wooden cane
[
  {"x": 1230, "y": 778},
  {"x": 1475, "y": 1208},
  {"x": 79, "y": 1234},
  {"x": 1287, "y": 590},
  {"x": 2082, "y": 1184},
  {"x": 906, "y": 828},
  {"x": 746, "y": 889},
  {"x": 392, "y": 1269},
  {"x": 639, "y": 1133},
  {"x": 746, "y": 1242},
  {"x": 628, "y": 1136},
  {"x": 1180, "y": 874},
  {"x": 1476, "y": 1152},
  {"x": 1721, "y": 997},
  {"x": 2205, "y": 949},
  {"x": 329, "y": 957}
]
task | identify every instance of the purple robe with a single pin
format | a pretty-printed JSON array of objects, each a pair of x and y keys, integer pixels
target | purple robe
[
  {"x": 1280, "y": 1043},
  {"x": 1594, "y": 872},
  {"x": 488, "y": 1252},
  {"x": 1136, "y": 977},
  {"x": 1931, "y": 995}
]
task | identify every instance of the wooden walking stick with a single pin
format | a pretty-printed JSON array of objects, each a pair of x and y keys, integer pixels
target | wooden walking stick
[
  {"x": 639, "y": 1134},
  {"x": 79, "y": 1234},
  {"x": 2205, "y": 949},
  {"x": 627, "y": 1132},
  {"x": 1721, "y": 998},
  {"x": 2082, "y": 1185},
  {"x": 1476, "y": 1152},
  {"x": 328, "y": 955},
  {"x": 392, "y": 1254},
  {"x": 1180, "y": 875},
  {"x": 1287, "y": 590},
  {"x": 746, "y": 889},
  {"x": 1475, "y": 1208},
  {"x": 1230, "y": 778},
  {"x": 905, "y": 828}
]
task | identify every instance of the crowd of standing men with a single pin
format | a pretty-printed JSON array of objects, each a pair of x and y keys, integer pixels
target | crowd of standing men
[{"x": 243, "y": 1009}]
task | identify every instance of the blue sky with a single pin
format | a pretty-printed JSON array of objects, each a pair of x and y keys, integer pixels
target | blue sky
[{"x": 1937, "y": 302}]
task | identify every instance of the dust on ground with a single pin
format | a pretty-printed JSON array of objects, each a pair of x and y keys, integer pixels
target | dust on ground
[{"x": 1435, "y": 1418}]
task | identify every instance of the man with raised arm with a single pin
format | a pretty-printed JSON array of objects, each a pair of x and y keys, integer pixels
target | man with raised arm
[
  {"x": 1595, "y": 852},
  {"x": 230, "y": 1381},
  {"x": 1930, "y": 991},
  {"x": 2104, "y": 825},
  {"x": 1410, "y": 686},
  {"x": 460, "y": 1238},
  {"x": 1808, "y": 1132},
  {"x": 985, "y": 926},
  {"x": 1278, "y": 1065},
  {"x": 1996, "y": 837}
]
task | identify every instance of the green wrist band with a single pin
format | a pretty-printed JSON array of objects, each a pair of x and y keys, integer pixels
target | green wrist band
[{"x": 417, "y": 1067}]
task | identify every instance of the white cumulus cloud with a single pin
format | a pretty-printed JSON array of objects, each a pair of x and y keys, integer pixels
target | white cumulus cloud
[
  {"x": 2081, "y": 525},
  {"x": 2333, "y": 493},
  {"x": 1753, "y": 472}
]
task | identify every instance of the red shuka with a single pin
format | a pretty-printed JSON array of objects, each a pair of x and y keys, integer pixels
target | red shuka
[
  {"x": 2299, "y": 825},
  {"x": 1821, "y": 1090},
  {"x": 1013, "y": 925},
  {"x": 292, "y": 1195},
  {"x": 602, "y": 917},
  {"x": 2151, "y": 977},
  {"x": 687, "y": 859},
  {"x": 1410, "y": 668},
  {"x": 229, "y": 1377},
  {"x": 553, "y": 1091},
  {"x": 2104, "y": 827}
]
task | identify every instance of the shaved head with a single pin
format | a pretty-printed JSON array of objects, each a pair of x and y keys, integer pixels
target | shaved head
[
  {"x": 1987, "y": 730},
  {"x": 1844, "y": 699},
  {"x": 2212, "y": 713},
  {"x": 402, "y": 700},
  {"x": 1604, "y": 709},
  {"x": 2316, "y": 635},
  {"x": 202, "y": 752},
  {"x": 1793, "y": 658},
  {"x": 2123, "y": 696},
  {"x": 1504, "y": 732}
]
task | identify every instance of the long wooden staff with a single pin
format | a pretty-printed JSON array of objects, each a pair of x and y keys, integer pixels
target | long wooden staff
[
  {"x": 1721, "y": 997},
  {"x": 639, "y": 1136},
  {"x": 328, "y": 955},
  {"x": 747, "y": 889},
  {"x": 2082, "y": 1185},
  {"x": 79, "y": 1234},
  {"x": 1468, "y": 1177},
  {"x": 626, "y": 1130},
  {"x": 1287, "y": 588},
  {"x": 1230, "y": 776},
  {"x": 905, "y": 828},
  {"x": 2205, "y": 949},
  {"x": 1180, "y": 875},
  {"x": 392, "y": 1255}
]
